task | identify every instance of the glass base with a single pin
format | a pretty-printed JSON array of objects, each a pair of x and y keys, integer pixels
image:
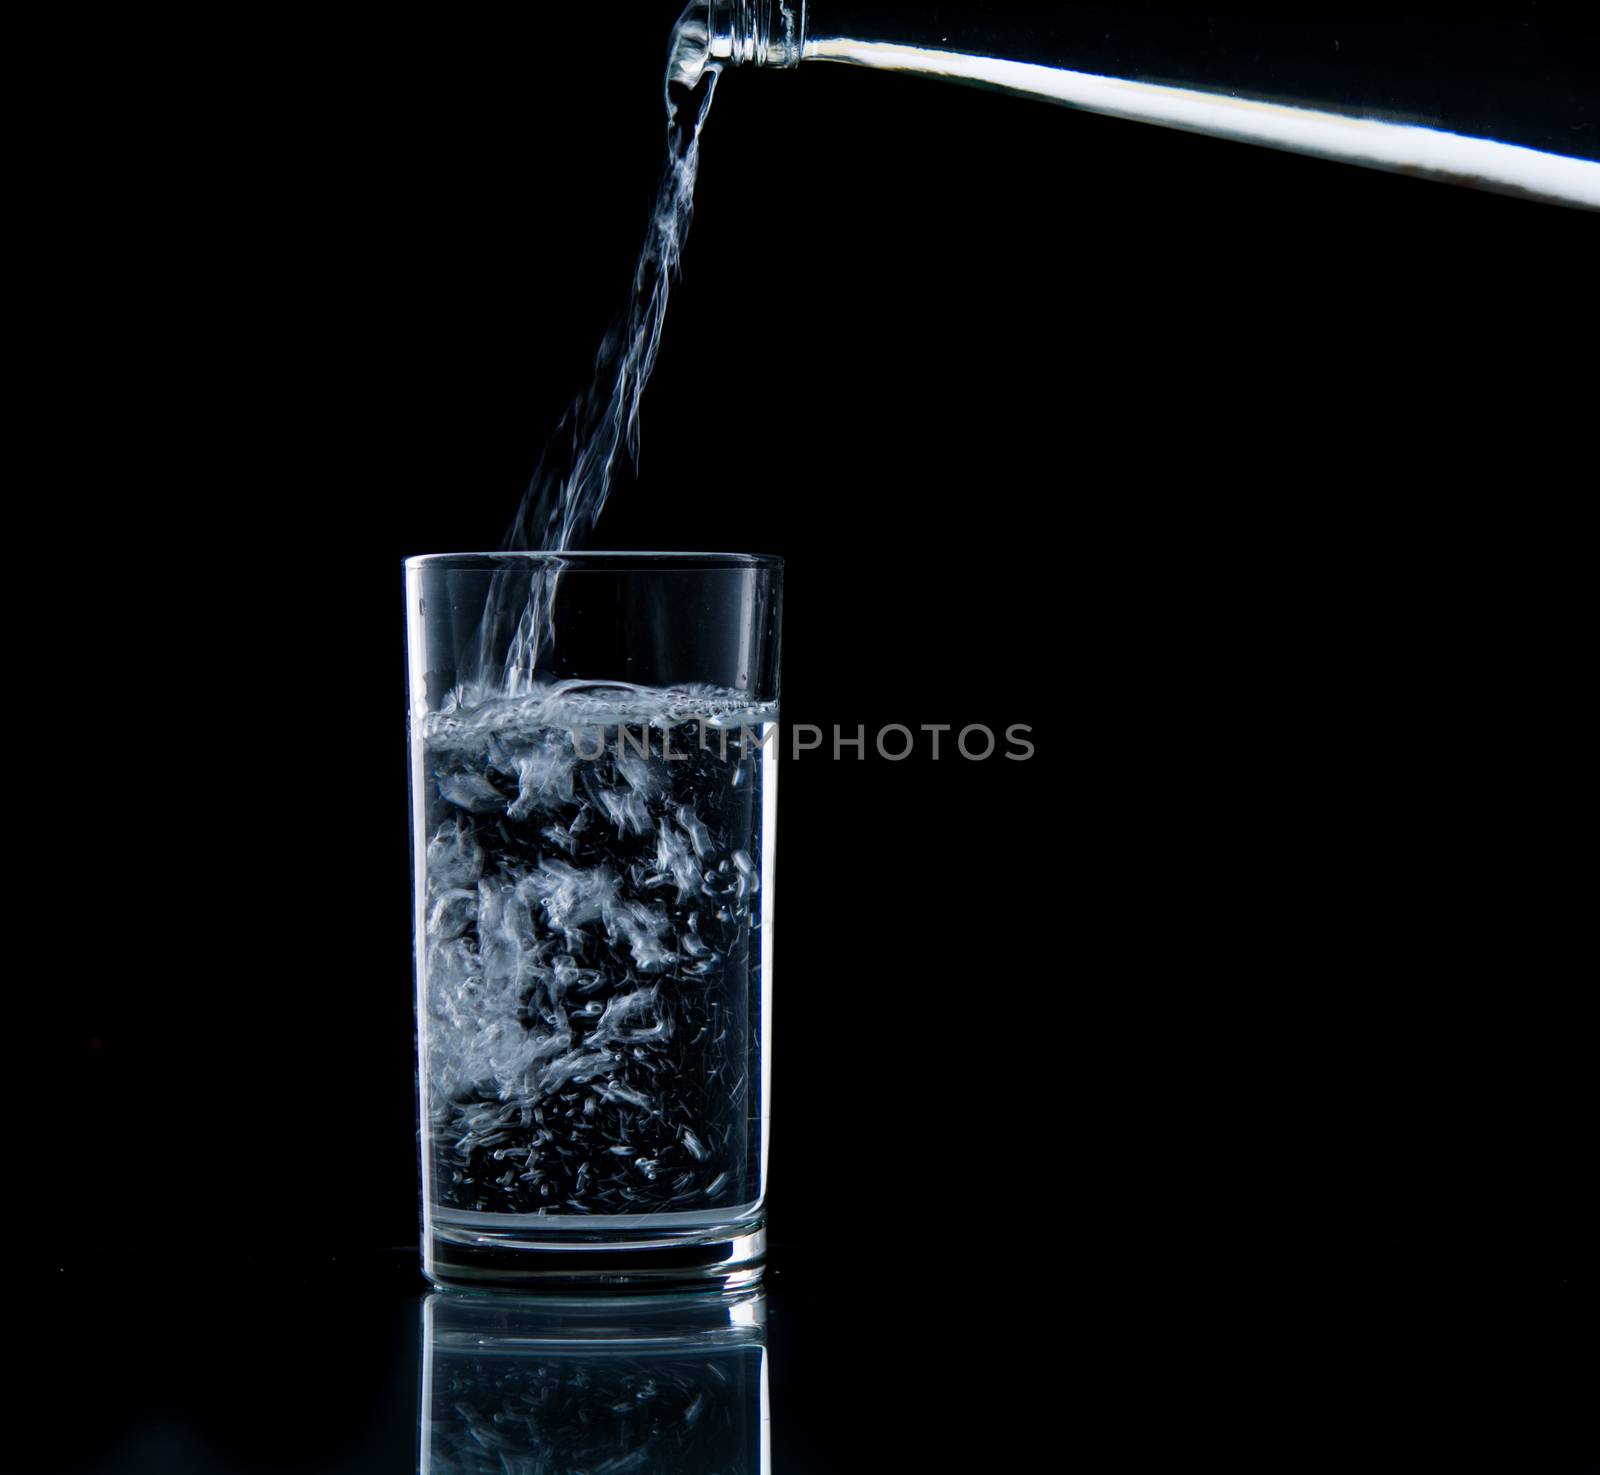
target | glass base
[{"x": 618, "y": 1258}]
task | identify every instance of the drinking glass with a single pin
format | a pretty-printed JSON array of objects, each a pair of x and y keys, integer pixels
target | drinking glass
[{"x": 593, "y": 798}]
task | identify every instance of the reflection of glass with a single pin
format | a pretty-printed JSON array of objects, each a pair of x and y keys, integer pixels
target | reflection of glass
[{"x": 608, "y": 1386}]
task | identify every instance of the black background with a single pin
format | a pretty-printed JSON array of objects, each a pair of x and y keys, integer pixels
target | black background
[{"x": 1245, "y": 1016}]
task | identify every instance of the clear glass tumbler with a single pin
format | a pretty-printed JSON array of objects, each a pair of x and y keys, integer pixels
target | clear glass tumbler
[{"x": 593, "y": 788}]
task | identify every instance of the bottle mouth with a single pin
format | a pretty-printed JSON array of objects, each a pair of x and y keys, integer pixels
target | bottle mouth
[
  {"x": 712, "y": 34},
  {"x": 768, "y": 33}
]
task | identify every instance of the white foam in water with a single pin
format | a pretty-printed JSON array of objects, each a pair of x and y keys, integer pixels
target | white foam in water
[{"x": 592, "y": 934}]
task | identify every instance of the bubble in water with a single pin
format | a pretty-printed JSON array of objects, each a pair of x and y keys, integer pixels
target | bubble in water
[{"x": 592, "y": 952}]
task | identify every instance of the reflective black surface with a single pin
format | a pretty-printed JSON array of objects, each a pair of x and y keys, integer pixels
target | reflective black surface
[{"x": 344, "y": 1366}]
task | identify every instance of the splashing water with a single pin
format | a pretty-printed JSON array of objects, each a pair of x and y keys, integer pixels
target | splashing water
[
  {"x": 596, "y": 930},
  {"x": 573, "y": 478}
]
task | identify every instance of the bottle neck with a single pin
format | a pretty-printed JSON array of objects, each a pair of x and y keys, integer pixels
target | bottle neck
[{"x": 767, "y": 33}]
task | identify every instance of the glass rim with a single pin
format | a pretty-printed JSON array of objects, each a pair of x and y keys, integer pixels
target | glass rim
[{"x": 610, "y": 559}]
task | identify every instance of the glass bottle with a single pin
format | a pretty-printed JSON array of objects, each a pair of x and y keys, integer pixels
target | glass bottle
[{"x": 1502, "y": 97}]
